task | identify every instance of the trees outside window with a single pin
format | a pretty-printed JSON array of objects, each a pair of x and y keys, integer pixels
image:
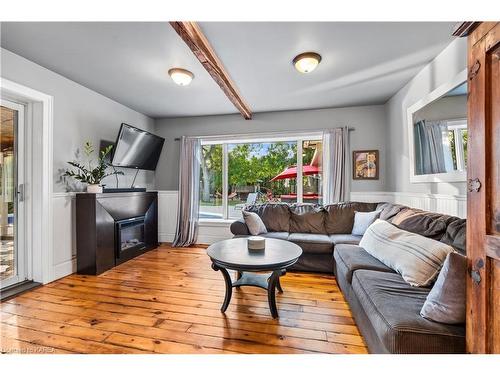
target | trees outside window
[{"x": 257, "y": 172}]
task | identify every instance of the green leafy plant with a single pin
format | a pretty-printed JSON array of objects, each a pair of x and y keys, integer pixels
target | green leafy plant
[{"x": 87, "y": 173}]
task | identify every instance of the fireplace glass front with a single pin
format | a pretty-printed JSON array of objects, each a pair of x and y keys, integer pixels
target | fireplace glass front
[{"x": 130, "y": 234}]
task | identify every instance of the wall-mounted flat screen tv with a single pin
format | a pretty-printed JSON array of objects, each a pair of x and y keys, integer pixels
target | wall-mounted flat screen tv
[{"x": 136, "y": 148}]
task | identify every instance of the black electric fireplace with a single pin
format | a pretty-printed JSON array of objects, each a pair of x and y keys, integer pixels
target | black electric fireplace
[
  {"x": 130, "y": 235},
  {"x": 113, "y": 228}
]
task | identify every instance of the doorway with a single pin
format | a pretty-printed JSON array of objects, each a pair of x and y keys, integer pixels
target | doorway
[{"x": 13, "y": 257}]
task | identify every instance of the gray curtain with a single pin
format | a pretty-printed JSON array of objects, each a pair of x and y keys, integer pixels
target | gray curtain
[
  {"x": 337, "y": 162},
  {"x": 189, "y": 192},
  {"x": 429, "y": 149}
]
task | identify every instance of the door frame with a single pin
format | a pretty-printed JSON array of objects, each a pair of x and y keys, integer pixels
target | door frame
[
  {"x": 22, "y": 256},
  {"x": 482, "y": 335},
  {"x": 39, "y": 176}
]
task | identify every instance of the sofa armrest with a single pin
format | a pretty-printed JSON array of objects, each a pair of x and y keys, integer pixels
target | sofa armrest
[{"x": 239, "y": 228}]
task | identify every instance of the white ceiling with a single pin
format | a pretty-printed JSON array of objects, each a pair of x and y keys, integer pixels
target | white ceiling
[{"x": 363, "y": 63}]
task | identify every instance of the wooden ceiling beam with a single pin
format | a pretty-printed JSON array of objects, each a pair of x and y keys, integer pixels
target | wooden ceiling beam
[{"x": 192, "y": 35}]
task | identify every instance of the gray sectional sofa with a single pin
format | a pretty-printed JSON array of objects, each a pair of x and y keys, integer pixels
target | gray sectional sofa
[{"x": 385, "y": 307}]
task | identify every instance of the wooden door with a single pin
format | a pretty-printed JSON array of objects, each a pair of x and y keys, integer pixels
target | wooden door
[{"x": 483, "y": 198}]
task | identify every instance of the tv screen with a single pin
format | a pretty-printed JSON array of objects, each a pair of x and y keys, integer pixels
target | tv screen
[{"x": 136, "y": 148}]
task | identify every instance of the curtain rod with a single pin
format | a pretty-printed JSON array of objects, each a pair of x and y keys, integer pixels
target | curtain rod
[{"x": 263, "y": 134}]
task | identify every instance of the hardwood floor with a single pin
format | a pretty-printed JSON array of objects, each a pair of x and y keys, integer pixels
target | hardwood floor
[{"x": 168, "y": 301}]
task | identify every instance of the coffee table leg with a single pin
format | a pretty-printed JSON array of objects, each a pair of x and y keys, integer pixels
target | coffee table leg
[
  {"x": 238, "y": 276},
  {"x": 271, "y": 291},
  {"x": 278, "y": 284},
  {"x": 229, "y": 286}
]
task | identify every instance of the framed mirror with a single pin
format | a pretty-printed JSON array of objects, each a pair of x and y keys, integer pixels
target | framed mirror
[{"x": 437, "y": 130}]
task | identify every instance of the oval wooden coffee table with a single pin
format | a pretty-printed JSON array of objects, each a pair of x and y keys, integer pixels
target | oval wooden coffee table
[{"x": 234, "y": 255}]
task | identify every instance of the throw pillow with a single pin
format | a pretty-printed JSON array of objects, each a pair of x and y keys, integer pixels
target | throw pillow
[
  {"x": 416, "y": 258},
  {"x": 254, "y": 223},
  {"x": 446, "y": 300},
  {"x": 362, "y": 220}
]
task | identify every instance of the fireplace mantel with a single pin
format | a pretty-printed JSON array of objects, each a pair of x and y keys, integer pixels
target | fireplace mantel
[{"x": 99, "y": 218}]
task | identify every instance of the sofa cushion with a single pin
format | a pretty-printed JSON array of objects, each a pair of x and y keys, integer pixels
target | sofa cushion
[
  {"x": 417, "y": 258},
  {"x": 427, "y": 224},
  {"x": 389, "y": 210},
  {"x": 345, "y": 239},
  {"x": 276, "y": 216},
  {"x": 276, "y": 235},
  {"x": 455, "y": 235},
  {"x": 362, "y": 220},
  {"x": 339, "y": 217},
  {"x": 393, "y": 308},
  {"x": 446, "y": 301},
  {"x": 307, "y": 218},
  {"x": 353, "y": 257},
  {"x": 312, "y": 243},
  {"x": 254, "y": 223}
]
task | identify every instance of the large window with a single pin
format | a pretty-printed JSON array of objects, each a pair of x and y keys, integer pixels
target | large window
[{"x": 235, "y": 173}]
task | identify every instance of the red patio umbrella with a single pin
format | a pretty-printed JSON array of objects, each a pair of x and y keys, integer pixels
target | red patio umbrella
[{"x": 291, "y": 172}]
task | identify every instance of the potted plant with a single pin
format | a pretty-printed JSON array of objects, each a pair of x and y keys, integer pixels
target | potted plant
[{"x": 86, "y": 173}]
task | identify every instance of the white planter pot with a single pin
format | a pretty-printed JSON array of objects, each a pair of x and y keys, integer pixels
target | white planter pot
[{"x": 94, "y": 189}]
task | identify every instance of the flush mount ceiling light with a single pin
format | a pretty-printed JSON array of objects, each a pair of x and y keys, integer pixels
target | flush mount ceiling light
[
  {"x": 306, "y": 62},
  {"x": 180, "y": 76}
]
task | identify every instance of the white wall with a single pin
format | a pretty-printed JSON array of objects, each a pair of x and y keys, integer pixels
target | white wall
[
  {"x": 80, "y": 114},
  {"x": 369, "y": 122},
  {"x": 441, "y": 70}
]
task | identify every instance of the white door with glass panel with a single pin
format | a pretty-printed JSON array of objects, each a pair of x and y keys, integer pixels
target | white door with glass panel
[{"x": 13, "y": 259}]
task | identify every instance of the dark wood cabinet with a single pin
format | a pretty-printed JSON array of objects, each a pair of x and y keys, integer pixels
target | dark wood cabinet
[{"x": 112, "y": 228}]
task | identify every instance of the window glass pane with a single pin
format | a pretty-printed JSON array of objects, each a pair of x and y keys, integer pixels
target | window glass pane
[
  {"x": 211, "y": 182},
  {"x": 451, "y": 146},
  {"x": 312, "y": 176},
  {"x": 464, "y": 135},
  {"x": 260, "y": 172}
]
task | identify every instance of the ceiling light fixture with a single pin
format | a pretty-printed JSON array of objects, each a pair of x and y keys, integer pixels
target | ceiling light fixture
[
  {"x": 306, "y": 62},
  {"x": 180, "y": 76}
]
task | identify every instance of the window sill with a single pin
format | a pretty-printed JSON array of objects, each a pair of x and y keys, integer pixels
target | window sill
[{"x": 215, "y": 222}]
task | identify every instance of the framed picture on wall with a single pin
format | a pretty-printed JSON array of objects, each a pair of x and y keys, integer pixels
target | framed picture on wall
[{"x": 365, "y": 165}]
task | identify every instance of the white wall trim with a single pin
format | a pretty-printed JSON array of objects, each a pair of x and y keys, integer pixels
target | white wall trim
[
  {"x": 65, "y": 268},
  {"x": 64, "y": 194},
  {"x": 40, "y": 178}
]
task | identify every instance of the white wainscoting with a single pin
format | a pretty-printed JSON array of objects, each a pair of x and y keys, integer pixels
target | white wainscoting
[
  {"x": 167, "y": 215},
  {"x": 455, "y": 205},
  {"x": 64, "y": 232},
  {"x": 209, "y": 231}
]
